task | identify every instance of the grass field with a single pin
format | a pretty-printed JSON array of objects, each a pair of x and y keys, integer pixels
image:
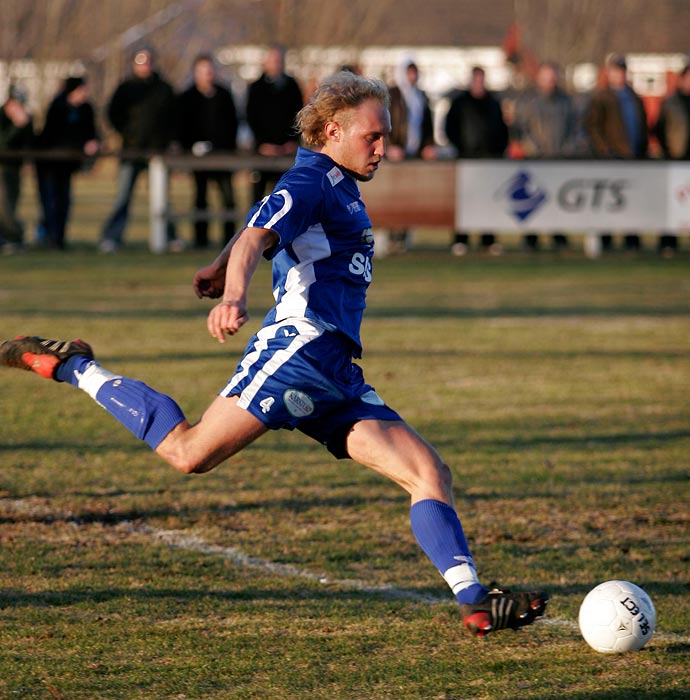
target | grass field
[{"x": 556, "y": 388}]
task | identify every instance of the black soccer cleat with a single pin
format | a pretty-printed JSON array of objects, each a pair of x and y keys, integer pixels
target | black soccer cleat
[
  {"x": 501, "y": 609},
  {"x": 41, "y": 355}
]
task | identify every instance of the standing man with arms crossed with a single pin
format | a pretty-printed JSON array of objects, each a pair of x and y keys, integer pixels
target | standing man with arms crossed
[
  {"x": 272, "y": 105},
  {"x": 297, "y": 371}
]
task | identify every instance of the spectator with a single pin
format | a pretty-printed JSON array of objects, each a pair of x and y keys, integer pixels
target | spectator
[
  {"x": 142, "y": 111},
  {"x": 412, "y": 134},
  {"x": 546, "y": 126},
  {"x": 272, "y": 105},
  {"x": 208, "y": 122},
  {"x": 16, "y": 134},
  {"x": 475, "y": 126},
  {"x": 673, "y": 132},
  {"x": 617, "y": 126},
  {"x": 69, "y": 126}
]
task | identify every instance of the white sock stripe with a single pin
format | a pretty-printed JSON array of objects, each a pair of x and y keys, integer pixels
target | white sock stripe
[
  {"x": 460, "y": 577},
  {"x": 461, "y": 586},
  {"x": 93, "y": 378}
]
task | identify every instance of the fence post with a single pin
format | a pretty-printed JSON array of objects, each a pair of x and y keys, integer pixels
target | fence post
[
  {"x": 592, "y": 244},
  {"x": 158, "y": 204}
]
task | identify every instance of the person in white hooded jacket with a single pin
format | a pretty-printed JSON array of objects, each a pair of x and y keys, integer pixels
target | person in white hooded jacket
[{"x": 412, "y": 134}]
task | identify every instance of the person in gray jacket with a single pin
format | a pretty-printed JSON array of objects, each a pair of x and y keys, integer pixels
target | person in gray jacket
[
  {"x": 546, "y": 126},
  {"x": 546, "y": 119}
]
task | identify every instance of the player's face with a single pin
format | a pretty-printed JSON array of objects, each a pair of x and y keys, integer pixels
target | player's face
[{"x": 357, "y": 138}]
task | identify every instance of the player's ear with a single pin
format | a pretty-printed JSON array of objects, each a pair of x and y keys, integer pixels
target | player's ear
[{"x": 332, "y": 131}]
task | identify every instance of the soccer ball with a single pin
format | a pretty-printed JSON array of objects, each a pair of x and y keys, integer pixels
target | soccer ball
[{"x": 617, "y": 616}]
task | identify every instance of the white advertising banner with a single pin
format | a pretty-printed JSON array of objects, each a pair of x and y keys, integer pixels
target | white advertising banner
[
  {"x": 679, "y": 197},
  {"x": 572, "y": 195}
]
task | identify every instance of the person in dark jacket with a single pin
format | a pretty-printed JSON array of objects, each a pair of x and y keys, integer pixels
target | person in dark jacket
[
  {"x": 272, "y": 105},
  {"x": 142, "y": 111},
  {"x": 475, "y": 126},
  {"x": 474, "y": 123},
  {"x": 208, "y": 123},
  {"x": 616, "y": 124},
  {"x": 16, "y": 134},
  {"x": 69, "y": 126},
  {"x": 673, "y": 131}
]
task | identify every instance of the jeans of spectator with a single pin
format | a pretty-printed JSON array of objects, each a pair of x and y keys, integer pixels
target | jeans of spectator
[
  {"x": 223, "y": 181},
  {"x": 127, "y": 174},
  {"x": 114, "y": 227},
  {"x": 11, "y": 230},
  {"x": 55, "y": 190}
]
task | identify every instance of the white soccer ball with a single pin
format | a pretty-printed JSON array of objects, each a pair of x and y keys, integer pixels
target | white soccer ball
[{"x": 617, "y": 616}]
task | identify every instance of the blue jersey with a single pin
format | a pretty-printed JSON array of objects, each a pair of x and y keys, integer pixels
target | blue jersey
[{"x": 322, "y": 262}]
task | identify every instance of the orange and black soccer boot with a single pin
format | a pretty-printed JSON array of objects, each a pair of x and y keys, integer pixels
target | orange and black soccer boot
[
  {"x": 501, "y": 609},
  {"x": 41, "y": 355}
]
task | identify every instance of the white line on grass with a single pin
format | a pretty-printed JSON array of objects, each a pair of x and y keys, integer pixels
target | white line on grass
[{"x": 193, "y": 543}]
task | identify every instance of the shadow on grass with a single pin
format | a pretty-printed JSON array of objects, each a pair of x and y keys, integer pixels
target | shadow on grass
[
  {"x": 579, "y": 441},
  {"x": 373, "y": 312},
  {"x": 572, "y": 441},
  {"x": 654, "y": 588},
  {"x": 111, "y": 518},
  {"x": 317, "y": 592},
  {"x": 234, "y": 355},
  {"x": 129, "y": 447},
  {"x": 618, "y": 693}
]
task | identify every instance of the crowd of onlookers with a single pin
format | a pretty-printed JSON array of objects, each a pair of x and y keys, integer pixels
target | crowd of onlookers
[
  {"x": 547, "y": 122},
  {"x": 541, "y": 122},
  {"x": 149, "y": 117}
]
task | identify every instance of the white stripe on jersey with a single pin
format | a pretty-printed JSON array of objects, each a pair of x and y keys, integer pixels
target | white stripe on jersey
[
  {"x": 307, "y": 332},
  {"x": 287, "y": 197},
  {"x": 309, "y": 248}
]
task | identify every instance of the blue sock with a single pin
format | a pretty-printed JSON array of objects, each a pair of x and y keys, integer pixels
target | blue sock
[
  {"x": 145, "y": 412},
  {"x": 439, "y": 533},
  {"x": 70, "y": 370}
]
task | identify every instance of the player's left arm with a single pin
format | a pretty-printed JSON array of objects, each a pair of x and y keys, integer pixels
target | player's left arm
[{"x": 243, "y": 258}]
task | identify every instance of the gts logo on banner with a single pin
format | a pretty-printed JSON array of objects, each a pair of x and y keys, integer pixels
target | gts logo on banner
[
  {"x": 578, "y": 195},
  {"x": 360, "y": 265}
]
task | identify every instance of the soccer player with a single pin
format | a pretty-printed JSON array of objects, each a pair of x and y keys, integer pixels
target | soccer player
[{"x": 298, "y": 370}]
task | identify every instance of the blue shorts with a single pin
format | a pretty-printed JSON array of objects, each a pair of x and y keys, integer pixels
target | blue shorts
[{"x": 297, "y": 374}]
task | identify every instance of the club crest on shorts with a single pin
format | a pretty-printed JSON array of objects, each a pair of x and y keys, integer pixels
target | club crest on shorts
[{"x": 298, "y": 403}]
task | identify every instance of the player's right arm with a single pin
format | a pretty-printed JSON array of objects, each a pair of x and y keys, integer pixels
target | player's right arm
[
  {"x": 209, "y": 281},
  {"x": 243, "y": 258}
]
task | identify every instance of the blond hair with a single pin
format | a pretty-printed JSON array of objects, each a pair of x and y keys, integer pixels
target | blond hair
[{"x": 339, "y": 92}]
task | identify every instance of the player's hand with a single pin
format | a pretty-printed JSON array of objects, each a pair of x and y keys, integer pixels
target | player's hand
[
  {"x": 209, "y": 282},
  {"x": 226, "y": 317}
]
